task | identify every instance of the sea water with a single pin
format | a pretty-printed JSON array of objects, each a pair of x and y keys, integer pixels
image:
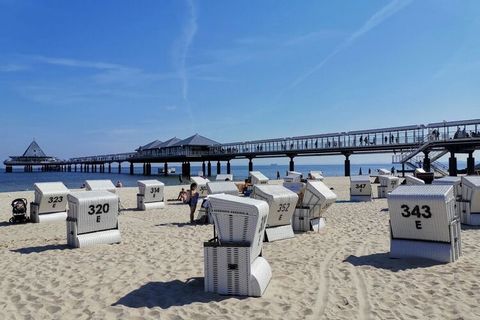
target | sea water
[{"x": 21, "y": 181}]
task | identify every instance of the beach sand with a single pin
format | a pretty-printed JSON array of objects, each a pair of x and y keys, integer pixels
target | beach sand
[{"x": 343, "y": 272}]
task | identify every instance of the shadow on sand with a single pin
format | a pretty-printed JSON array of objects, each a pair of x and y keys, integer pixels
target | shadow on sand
[
  {"x": 468, "y": 227},
  {"x": 179, "y": 224},
  {"x": 383, "y": 261},
  {"x": 40, "y": 249},
  {"x": 169, "y": 294}
]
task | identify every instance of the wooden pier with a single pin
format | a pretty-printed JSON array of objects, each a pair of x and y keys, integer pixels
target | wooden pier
[{"x": 412, "y": 146}]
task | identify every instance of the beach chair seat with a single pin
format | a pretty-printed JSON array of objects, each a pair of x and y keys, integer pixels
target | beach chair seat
[
  {"x": 256, "y": 177},
  {"x": 470, "y": 201},
  {"x": 97, "y": 185},
  {"x": 227, "y": 187},
  {"x": 50, "y": 202},
  {"x": 92, "y": 218},
  {"x": 232, "y": 261},
  {"x": 282, "y": 203},
  {"x": 424, "y": 224},
  {"x": 360, "y": 188},
  {"x": 151, "y": 195}
]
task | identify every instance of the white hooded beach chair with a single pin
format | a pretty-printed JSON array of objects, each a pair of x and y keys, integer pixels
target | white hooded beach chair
[
  {"x": 201, "y": 185},
  {"x": 316, "y": 200},
  {"x": 97, "y": 185},
  {"x": 470, "y": 202},
  {"x": 92, "y": 218},
  {"x": 224, "y": 177},
  {"x": 282, "y": 203},
  {"x": 151, "y": 195},
  {"x": 50, "y": 202},
  {"x": 256, "y": 177},
  {"x": 360, "y": 188},
  {"x": 315, "y": 175},
  {"x": 413, "y": 181},
  {"x": 227, "y": 187},
  {"x": 424, "y": 223},
  {"x": 293, "y": 176},
  {"x": 232, "y": 261},
  {"x": 388, "y": 183}
]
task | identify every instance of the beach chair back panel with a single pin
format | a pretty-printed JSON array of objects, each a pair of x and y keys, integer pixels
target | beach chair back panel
[
  {"x": 318, "y": 197},
  {"x": 257, "y": 177},
  {"x": 471, "y": 192},
  {"x": 414, "y": 181},
  {"x": 456, "y": 182},
  {"x": 227, "y": 187},
  {"x": 281, "y": 202},
  {"x": 201, "y": 185},
  {"x": 239, "y": 219},
  {"x": 97, "y": 185},
  {"x": 390, "y": 182},
  {"x": 153, "y": 190},
  {"x": 422, "y": 212},
  {"x": 51, "y": 197},
  {"x": 93, "y": 210},
  {"x": 360, "y": 186}
]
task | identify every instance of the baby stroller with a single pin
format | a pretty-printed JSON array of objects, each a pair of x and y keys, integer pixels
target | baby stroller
[{"x": 19, "y": 211}]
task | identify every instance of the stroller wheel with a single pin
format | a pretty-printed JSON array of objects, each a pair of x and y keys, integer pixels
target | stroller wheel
[{"x": 11, "y": 220}]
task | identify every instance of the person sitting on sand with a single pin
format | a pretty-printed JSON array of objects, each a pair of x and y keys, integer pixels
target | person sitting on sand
[
  {"x": 119, "y": 184},
  {"x": 193, "y": 200},
  {"x": 182, "y": 195}
]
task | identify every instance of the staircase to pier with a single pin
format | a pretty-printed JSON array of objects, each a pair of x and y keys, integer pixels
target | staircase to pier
[{"x": 414, "y": 158}]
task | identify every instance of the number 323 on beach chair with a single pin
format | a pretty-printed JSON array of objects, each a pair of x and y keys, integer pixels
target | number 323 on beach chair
[
  {"x": 50, "y": 202},
  {"x": 424, "y": 223},
  {"x": 92, "y": 219}
]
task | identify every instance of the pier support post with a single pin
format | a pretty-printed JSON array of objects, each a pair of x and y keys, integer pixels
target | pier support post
[
  {"x": 228, "y": 167},
  {"x": 209, "y": 169},
  {"x": 188, "y": 169},
  {"x": 75, "y": 167},
  {"x": 426, "y": 161},
  {"x": 291, "y": 165},
  {"x": 131, "y": 168},
  {"x": 144, "y": 169},
  {"x": 109, "y": 167},
  {"x": 149, "y": 169},
  {"x": 470, "y": 163},
  {"x": 403, "y": 170},
  {"x": 452, "y": 165},
  {"x": 218, "y": 168},
  {"x": 119, "y": 167},
  {"x": 347, "y": 165},
  {"x": 165, "y": 169},
  {"x": 204, "y": 173},
  {"x": 250, "y": 164}
]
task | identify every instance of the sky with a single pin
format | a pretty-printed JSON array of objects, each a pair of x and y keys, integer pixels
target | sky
[{"x": 99, "y": 77}]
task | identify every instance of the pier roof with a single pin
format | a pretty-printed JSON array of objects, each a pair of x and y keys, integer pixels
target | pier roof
[
  {"x": 34, "y": 151},
  {"x": 196, "y": 140}
]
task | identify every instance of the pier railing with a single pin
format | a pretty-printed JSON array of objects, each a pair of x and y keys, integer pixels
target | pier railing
[{"x": 401, "y": 139}]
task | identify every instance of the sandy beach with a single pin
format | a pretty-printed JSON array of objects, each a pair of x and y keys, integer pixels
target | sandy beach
[{"x": 343, "y": 272}]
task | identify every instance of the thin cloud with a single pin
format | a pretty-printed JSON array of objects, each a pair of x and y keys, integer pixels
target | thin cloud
[
  {"x": 75, "y": 63},
  {"x": 183, "y": 47},
  {"x": 376, "y": 19},
  {"x": 13, "y": 67}
]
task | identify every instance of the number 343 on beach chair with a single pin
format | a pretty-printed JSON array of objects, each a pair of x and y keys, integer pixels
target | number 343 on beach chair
[
  {"x": 424, "y": 223},
  {"x": 92, "y": 218}
]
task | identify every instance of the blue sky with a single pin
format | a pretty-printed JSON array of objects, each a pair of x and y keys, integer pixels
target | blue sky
[{"x": 89, "y": 77}]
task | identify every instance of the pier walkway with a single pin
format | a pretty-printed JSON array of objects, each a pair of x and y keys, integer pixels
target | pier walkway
[{"x": 412, "y": 146}]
